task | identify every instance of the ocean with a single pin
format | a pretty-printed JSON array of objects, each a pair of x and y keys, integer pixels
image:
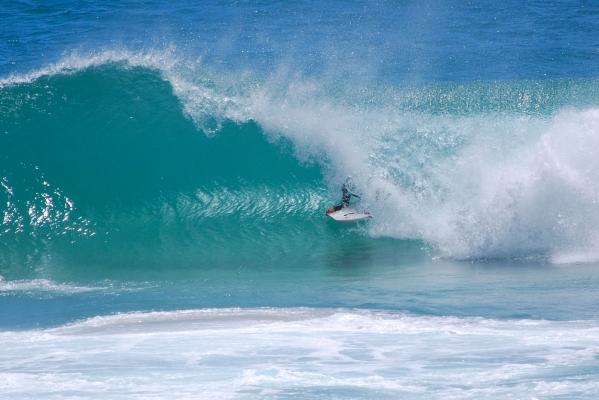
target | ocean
[{"x": 165, "y": 168}]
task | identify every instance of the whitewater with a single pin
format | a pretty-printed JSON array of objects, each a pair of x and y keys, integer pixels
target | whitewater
[
  {"x": 164, "y": 173},
  {"x": 270, "y": 353}
]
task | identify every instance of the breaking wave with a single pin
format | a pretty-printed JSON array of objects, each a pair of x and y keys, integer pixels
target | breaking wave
[{"x": 154, "y": 154}]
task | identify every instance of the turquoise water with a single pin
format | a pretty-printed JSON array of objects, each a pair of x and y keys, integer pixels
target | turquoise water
[{"x": 164, "y": 171}]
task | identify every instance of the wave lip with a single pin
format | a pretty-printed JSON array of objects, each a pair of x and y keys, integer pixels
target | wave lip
[{"x": 77, "y": 62}]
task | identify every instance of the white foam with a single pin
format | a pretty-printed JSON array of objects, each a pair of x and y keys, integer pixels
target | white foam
[
  {"x": 273, "y": 353},
  {"x": 42, "y": 285},
  {"x": 481, "y": 185}
]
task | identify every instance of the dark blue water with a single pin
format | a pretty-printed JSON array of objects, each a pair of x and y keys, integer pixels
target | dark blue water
[{"x": 405, "y": 41}]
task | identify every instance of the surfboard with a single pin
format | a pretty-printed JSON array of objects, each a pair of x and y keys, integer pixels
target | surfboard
[{"x": 349, "y": 214}]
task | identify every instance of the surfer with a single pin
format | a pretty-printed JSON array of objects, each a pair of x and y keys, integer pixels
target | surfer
[
  {"x": 344, "y": 212},
  {"x": 346, "y": 195}
]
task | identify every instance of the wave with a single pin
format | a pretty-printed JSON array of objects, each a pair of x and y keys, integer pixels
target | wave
[
  {"x": 102, "y": 147},
  {"x": 279, "y": 352}
]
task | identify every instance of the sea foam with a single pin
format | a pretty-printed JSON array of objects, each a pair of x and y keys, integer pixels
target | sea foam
[{"x": 274, "y": 353}]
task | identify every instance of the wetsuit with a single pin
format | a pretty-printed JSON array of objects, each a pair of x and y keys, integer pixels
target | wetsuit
[{"x": 346, "y": 196}]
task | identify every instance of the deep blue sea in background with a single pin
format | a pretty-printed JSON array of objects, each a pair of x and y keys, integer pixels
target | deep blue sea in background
[{"x": 165, "y": 168}]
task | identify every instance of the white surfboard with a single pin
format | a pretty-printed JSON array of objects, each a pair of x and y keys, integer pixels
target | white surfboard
[{"x": 349, "y": 214}]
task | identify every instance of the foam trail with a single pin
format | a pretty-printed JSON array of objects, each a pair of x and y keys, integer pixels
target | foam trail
[
  {"x": 41, "y": 286},
  {"x": 274, "y": 353}
]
